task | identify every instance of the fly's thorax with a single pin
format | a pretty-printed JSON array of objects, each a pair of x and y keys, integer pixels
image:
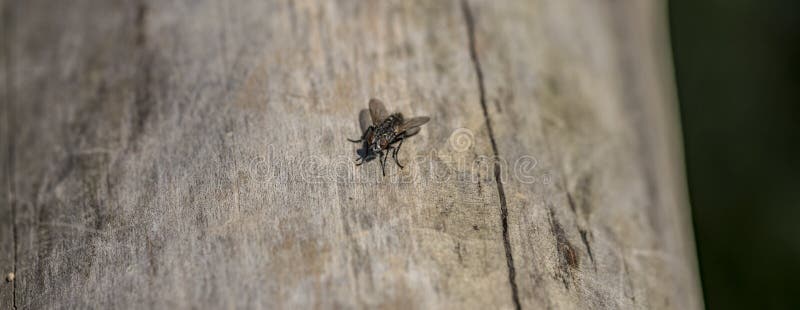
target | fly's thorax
[
  {"x": 396, "y": 119},
  {"x": 391, "y": 122},
  {"x": 385, "y": 132}
]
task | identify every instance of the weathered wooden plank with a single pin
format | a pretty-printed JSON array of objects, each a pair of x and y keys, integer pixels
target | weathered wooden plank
[
  {"x": 193, "y": 154},
  {"x": 6, "y": 211},
  {"x": 196, "y": 157},
  {"x": 74, "y": 72},
  {"x": 580, "y": 102}
]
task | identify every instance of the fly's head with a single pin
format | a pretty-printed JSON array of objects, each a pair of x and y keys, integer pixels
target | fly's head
[
  {"x": 378, "y": 145},
  {"x": 375, "y": 148}
]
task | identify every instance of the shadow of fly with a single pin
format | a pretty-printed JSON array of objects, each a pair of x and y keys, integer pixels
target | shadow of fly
[{"x": 384, "y": 133}]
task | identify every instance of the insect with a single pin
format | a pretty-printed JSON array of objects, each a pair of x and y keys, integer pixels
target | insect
[{"x": 384, "y": 133}]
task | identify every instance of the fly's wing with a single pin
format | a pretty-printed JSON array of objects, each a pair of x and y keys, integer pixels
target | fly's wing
[
  {"x": 377, "y": 111},
  {"x": 364, "y": 120},
  {"x": 412, "y": 124},
  {"x": 412, "y": 131}
]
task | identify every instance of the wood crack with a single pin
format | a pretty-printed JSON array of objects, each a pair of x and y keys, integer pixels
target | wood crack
[
  {"x": 470, "y": 21},
  {"x": 7, "y": 16},
  {"x": 144, "y": 100}
]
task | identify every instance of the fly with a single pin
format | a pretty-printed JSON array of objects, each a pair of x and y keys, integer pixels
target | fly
[{"x": 383, "y": 133}]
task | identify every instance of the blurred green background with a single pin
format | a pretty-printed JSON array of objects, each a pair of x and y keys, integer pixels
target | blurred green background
[{"x": 737, "y": 65}]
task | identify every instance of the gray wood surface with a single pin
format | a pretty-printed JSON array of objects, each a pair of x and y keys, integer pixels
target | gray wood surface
[{"x": 192, "y": 154}]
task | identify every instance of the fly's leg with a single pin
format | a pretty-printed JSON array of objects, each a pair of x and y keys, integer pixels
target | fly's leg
[
  {"x": 383, "y": 162},
  {"x": 394, "y": 154}
]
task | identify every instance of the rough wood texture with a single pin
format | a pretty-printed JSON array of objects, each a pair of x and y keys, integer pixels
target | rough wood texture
[{"x": 193, "y": 154}]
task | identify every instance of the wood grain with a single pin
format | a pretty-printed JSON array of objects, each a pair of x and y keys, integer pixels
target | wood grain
[
  {"x": 192, "y": 154},
  {"x": 578, "y": 87},
  {"x": 7, "y": 254}
]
